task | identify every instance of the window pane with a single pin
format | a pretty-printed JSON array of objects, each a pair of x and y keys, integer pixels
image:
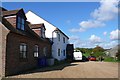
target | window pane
[
  {"x": 22, "y": 27},
  {"x": 23, "y": 50},
  {"x": 24, "y": 54},
  {"x": 24, "y": 47},
  {"x": 58, "y": 37},
  {"x": 58, "y": 52},
  {"x": 64, "y": 52},
  {"x": 19, "y": 19},
  {"x": 22, "y": 21},
  {"x": 21, "y": 47},
  {"x": 18, "y": 26},
  {"x": 35, "y": 54},
  {"x": 36, "y": 48}
]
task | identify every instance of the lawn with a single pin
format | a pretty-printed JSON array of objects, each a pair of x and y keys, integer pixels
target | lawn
[{"x": 110, "y": 59}]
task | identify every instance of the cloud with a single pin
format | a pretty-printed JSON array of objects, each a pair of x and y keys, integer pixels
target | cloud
[
  {"x": 105, "y": 33},
  {"x": 114, "y": 35},
  {"x": 74, "y": 38},
  {"x": 107, "y": 11},
  {"x": 95, "y": 39},
  {"x": 91, "y": 24},
  {"x": 108, "y": 45},
  {"x": 77, "y": 30},
  {"x": 92, "y": 42}
]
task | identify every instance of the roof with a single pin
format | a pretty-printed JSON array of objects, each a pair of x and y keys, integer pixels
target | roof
[
  {"x": 61, "y": 32},
  {"x": 36, "y": 26},
  {"x": 11, "y": 12},
  {"x": 28, "y": 32},
  {"x": 29, "y": 13},
  {"x": 3, "y": 9}
]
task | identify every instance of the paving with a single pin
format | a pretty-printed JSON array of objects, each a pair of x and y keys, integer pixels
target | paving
[{"x": 89, "y": 69}]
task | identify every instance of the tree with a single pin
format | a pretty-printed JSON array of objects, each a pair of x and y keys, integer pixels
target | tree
[{"x": 98, "y": 51}]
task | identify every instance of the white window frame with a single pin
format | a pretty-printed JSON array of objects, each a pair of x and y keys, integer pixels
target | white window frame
[
  {"x": 36, "y": 51},
  {"x": 23, "y": 50}
]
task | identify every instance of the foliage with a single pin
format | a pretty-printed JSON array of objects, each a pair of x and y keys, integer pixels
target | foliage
[
  {"x": 86, "y": 51},
  {"x": 109, "y": 59},
  {"x": 98, "y": 51}
]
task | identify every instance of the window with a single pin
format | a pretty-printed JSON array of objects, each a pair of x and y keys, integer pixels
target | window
[
  {"x": 64, "y": 52},
  {"x": 43, "y": 32},
  {"x": 21, "y": 23},
  {"x": 58, "y": 52},
  {"x": 45, "y": 51},
  {"x": 58, "y": 37},
  {"x": 23, "y": 50},
  {"x": 36, "y": 51},
  {"x": 63, "y": 39}
]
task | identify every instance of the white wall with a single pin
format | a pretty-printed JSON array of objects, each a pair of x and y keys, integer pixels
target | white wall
[
  {"x": 34, "y": 19},
  {"x": 59, "y": 45}
]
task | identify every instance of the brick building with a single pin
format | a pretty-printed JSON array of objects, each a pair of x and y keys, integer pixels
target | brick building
[{"x": 21, "y": 43}]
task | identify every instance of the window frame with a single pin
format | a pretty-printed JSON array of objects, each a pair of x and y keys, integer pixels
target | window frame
[
  {"x": 63, "y": 39},
  {"x": 23, "y": 51},
  {"x": 58, "y": 52},
  {"x": 64, "y": 52},
  {"x": 36, "y": 51},
  {"x": 20, "y": 23},
  {"x": 58, "y": 37}
]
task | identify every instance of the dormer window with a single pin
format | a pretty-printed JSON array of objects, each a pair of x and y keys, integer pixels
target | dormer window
[
  {"x": 43, "y": 33},
  {"x": 21, "y": 23}
]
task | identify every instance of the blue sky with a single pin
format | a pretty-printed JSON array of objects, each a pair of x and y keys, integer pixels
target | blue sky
[{"x": 86, "y": 23}]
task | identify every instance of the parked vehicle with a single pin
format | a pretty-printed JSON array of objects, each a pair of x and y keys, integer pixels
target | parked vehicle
[
  {"x": 77, "y": 55},
  {"x": 92, "y": 58}
]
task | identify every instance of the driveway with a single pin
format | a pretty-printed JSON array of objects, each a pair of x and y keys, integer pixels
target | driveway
[{"x": 75, "y": 70}]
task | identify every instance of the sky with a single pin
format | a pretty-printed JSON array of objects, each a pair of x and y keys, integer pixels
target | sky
[{"x": 87, "y": 24}]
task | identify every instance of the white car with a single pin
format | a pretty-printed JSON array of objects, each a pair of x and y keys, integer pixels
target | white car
[{"x": 77, "y": 56}]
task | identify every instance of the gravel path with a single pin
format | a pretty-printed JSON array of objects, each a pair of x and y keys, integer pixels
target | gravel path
[{"x": 75, "y": 70}]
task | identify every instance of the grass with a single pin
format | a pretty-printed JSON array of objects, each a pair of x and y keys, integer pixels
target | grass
[{"x": 110, "y": 59}]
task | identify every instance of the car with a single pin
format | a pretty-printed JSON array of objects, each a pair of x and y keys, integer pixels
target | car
[
  {"x": 92, "y": 58},
  {"x": 77, "y": 55}
]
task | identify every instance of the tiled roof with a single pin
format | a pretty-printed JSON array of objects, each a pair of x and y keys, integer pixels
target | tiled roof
[
  {"x": 35, "y": 26},
  {"x": 11, "y": 12}
]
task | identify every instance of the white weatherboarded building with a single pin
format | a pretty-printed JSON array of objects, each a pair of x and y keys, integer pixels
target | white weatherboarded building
[{"x": 60, "y": 40}]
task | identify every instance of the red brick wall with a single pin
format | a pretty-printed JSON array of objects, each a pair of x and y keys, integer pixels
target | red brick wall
[{"x": 13, "y": 62}]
